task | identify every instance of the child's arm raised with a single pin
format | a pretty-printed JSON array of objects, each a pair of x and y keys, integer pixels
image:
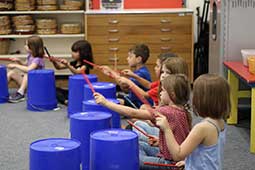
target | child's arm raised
[
  {"x": 23, "y": 68},
  {"x": 123, "y": 110},
  {"x": 145, "y": 83},
  {"x": 180, "y": 152},
  {"x": 58, "y": 65},
  {"x": 125, "y": 81}
]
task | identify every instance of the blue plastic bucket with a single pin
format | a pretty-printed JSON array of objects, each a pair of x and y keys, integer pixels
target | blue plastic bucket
[
  {"x": 41, "y": 90},
  {"x": 82, "y": 124},
  {"x": 76, "y": 92},
  {"x": 55, "y": 154},
  {"x": 4, "y": 95},
  {"x": 106, "y": 89},
  {"x": 91, "y": 105},
  {"x": 114, "y": 149}
]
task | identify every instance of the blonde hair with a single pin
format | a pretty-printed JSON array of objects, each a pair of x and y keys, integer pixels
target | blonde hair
[{"x": 180, "y": 86}]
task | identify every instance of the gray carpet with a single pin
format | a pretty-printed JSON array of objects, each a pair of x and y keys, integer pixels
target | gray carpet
[{"x": 19, "y": 127}]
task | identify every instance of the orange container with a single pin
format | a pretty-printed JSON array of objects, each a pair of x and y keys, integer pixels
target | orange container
[{"x": 251, "y": 62}]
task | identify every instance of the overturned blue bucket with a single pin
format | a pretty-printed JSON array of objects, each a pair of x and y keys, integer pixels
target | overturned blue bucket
[
  {"x": 41, "y": 90},
  {"x": 55, "y": 154},
  {"x": 82, "y": 124},
  {"x": 4, "y": 95},
  {"x": 76, "y": 92},
  {"x": 114, "y": 149},
  {"x": 91, "y": 105},
  {"x": 108, "y": 90}
]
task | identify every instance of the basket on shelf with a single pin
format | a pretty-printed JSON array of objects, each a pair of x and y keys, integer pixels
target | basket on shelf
[
  {"x": 5, "y": 25},
  {"x": 46, "y": 26},
  {"x": 72, "y": 5},
  {"x": 23, "y": 24},
  {"x": 25, "y": 5},
  {"x": 6, "y": 5},
  {"x": 71, "y": 28},
  {"x": 251, "y": 62},
  {"x": 4, "y": 46}
]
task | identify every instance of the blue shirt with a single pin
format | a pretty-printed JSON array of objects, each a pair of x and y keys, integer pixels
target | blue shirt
[
  {"x": 144, "y": 73},
  {"x": 207, "y": 157}
]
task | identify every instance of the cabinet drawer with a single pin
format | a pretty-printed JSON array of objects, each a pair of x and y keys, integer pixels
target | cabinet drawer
[
  {"x": 154, "y": 48},
  {"x": 139, "y": 19},
  {"x": 131, "y": 39},
  {"x": 139, "y": 30}
]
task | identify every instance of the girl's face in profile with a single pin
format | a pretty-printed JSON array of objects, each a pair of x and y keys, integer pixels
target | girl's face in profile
[
  {"x": 75, "y": 55},
  {"x": 157, "y": 68},
  {"x": 164, "y": 72},
  {"x": 27, "y": 48},
  {"x": 164, "y": 97}
]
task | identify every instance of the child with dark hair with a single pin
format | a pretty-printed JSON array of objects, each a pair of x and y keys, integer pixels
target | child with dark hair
[
  {"x": 80, "y": 50},
  {"x": 137, "y": 57}
]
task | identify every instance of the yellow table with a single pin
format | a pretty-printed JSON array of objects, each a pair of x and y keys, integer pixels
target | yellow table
[{"x": 237, "y": 71}]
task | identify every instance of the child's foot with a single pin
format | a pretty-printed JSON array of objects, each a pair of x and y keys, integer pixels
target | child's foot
[{"x": 17, "y": 97}]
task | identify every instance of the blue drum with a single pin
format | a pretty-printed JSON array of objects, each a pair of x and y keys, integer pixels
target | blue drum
[
  {"x": 108, "y": 90},
  {"x": 82, "y": 124},
  {"x": 41, "y": 90},
  {"x": 114, "y": 149},
  {"x": 4, "y": 95},
  {"x": 91, "y": 105},
  {"x": 75, "y": 94},
  {"x": 55, "y": 154}
]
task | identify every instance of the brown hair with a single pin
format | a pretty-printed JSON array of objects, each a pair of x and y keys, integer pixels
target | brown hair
[
  {"x": 180, "y": 86},
  {"x": 164, "y": 56},
  {"x": 141, "y": 50},
  {"x": 176, "y": 65},
  {"x": 211, "y": 96},
  {"x": 35, "y": 44}
]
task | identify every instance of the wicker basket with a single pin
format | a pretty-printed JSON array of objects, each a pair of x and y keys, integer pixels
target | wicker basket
[
  {"x": 47, "y": 7},
  {"x": 71, "y": 28},
  {"x": 47, "y": 31},
  {"x": 251, "y": 62},
  {"x": 4, "y": 46},
  {"x": 46, "y": 2},
  {"x": 46, "y": 23}
]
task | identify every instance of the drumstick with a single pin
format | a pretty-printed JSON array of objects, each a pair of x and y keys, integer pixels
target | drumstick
[
  {"x": 51, "y": 57},
  {"x": 140, "y": 130},
  {"x": 5, "y": 59},
  {"x": 161, "y": 165},
  {"x": 88, "y": 82}
]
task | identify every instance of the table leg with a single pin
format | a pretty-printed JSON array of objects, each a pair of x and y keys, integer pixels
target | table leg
[
  {"x": 234, "y": 83},
  {"x": 252, "y": 135}
]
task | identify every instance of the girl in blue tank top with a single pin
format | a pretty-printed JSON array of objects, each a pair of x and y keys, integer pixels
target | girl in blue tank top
[{"x": 203, "y": 148}]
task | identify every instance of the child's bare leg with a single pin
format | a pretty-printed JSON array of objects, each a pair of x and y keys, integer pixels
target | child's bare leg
[
  {"x": 13, "y": 75},
  {"x": 23, "y": 85}
]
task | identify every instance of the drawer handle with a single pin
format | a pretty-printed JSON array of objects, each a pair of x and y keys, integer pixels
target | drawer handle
[
  {"x": 114, "y": 49},
  {"x": 114, "y": 21},
  {"x": 165, "y": 21},
  {"x": 113, "y": 39},
  {"x": 113, "y": 59},
  {"x": 165, "y": 48},
  {"x": 113, "y": 31},
  {"x": 165, "y": 30},
  {"x": 165, "y": 39}
]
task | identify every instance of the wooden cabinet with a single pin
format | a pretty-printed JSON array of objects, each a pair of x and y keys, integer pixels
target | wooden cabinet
[{"x": 113, "y": 34}]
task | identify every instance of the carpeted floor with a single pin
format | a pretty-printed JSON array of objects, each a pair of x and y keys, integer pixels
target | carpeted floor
[{"x": 19, "y": 127}]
